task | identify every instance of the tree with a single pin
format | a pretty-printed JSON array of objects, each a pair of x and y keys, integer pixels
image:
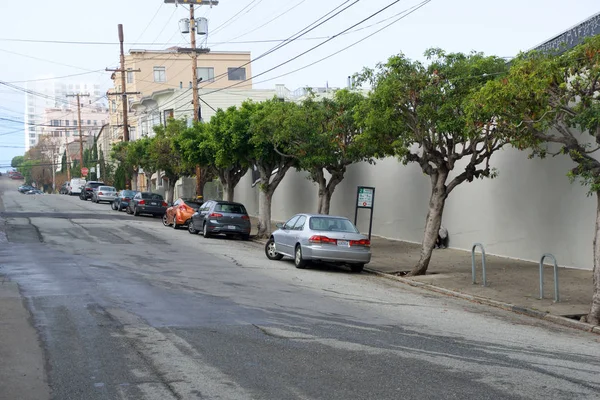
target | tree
[
  {"x": 17, "y": 161},
  {"x": 553, "y": 99},
  {"x": 331, "y": 141},
  {"x": 162, "y": 154},
  {"x": 267, "y": 120},
  {"x": 226, "y": 143},
  {"x": 419, "y": 113},
  {"x": 190, "y": 144}
]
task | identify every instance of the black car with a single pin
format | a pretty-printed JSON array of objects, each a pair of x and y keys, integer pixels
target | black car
[
  {"x": 147, "y": 203},
  {"x": 123, "y": 199},
  {"x": 86, "y": 192},
  {"x": 25, "y": 188}
]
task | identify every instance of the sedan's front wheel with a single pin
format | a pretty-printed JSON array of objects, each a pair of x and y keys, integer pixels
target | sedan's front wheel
[
  {"x": 113, "y": 205},
  {"x": 271, "y": 251},
  {"x": 298, "y": 260},
  {"x": 164, "y": 220},
  {"x": 205, "y": 232}
]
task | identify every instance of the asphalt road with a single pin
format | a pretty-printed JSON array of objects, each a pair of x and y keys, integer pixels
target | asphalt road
[{"x": 128, "y": 309}]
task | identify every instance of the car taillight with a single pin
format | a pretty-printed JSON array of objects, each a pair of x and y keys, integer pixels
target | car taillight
[
  {"x": 142, "y": 202},
  {"x": 164, "y": 204},
  {"x": 245, "y": 217},
  {"x": 361, "y": 242},
  {"x": 99, "y": 193},
  {"x": 322, "y": 239},
  {"x": 215, "y": 215}
]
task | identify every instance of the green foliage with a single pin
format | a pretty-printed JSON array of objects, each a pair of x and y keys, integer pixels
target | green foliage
[
  {"x": 119, "y": 180},
  {"x": 424, "y": 113},
  {"x": 17, "y": 161},
  {"x": 548, "y": 98}
]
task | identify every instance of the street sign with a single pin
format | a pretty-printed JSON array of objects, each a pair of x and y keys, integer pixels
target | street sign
[
  {"x": 84, "y": 171},
  {"x": 201, "y": 2},
  {"x": 365, "y": 197}
]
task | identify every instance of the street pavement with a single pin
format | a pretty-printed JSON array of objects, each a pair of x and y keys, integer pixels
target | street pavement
[{"x": 121, "y": 307}]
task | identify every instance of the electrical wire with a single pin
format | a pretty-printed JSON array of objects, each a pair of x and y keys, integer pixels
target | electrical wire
[
  {"x": 405, "y": 13},
  {"x": 266, "y": 23},
  {"x": 309, "y": 50},
  {"x": 44, "y": 60},
  {"x": 236, "y": 16}
]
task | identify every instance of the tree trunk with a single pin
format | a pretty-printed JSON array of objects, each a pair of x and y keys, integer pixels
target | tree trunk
[
  {"x": 433, "y": 222},
  {"x": 326, "y": 189},
  {"x": 594, "y": 315},
  {"x": 264, "y": 214},
  {"x": 171, "y": 194},
  {"x": 229, "y": 190}
]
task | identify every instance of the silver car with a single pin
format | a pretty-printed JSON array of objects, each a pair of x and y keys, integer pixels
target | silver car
[
  {"x": 316, "y": 237},
  {"x": 104, "y": 193}
]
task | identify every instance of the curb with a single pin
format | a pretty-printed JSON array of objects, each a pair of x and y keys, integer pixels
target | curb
[{"x": 583, "y": 326}]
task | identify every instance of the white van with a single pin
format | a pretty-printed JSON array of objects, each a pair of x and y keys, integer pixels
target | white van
[{"x": 75, "y": 185}]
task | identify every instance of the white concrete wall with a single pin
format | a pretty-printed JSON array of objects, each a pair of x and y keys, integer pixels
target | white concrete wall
[{"x": 529, "y": 209}]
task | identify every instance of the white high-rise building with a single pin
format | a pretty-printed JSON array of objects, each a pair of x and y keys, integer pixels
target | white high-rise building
[{"x": 52, "y": 94}]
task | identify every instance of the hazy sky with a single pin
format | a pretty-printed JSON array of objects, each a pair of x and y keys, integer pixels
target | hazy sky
[{"x": 28, "y": 30}]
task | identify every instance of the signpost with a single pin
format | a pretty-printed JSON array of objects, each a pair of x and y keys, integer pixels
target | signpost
[
  {"x": 365, "y": 198},
  {"x": 84, "y": 171}
]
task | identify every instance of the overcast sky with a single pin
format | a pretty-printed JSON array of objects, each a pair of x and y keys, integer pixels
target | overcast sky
[{"x": 28, "y": 30}]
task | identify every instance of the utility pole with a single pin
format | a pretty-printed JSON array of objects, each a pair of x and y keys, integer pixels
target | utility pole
[
  {"x": 68, "y": 159},
  {"x": 195, "y": 100},
  {"x": 123, "y": 93},
  {"x": 79, "y": 96}
]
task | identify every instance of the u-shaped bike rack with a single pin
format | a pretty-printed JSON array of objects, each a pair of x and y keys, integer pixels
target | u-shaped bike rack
[
  {"x": 556, "y": 297},
  {"x": 475, "y": 245}
]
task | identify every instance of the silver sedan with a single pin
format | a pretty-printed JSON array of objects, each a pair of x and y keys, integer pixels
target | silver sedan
[
  {"x": 104, "y": 193},
  {"x": 315, "y": 237}
]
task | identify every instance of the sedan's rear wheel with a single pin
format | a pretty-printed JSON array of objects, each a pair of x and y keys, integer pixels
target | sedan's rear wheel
[
  {"x": 271, "y": 251},
  {"x": 298, "y": 260},
  {"x": 357, "y": 267},
  {"x": 135, "y": 212},
  {"x": 164, "y": 220},
  {"x": 191, "y": 229}
]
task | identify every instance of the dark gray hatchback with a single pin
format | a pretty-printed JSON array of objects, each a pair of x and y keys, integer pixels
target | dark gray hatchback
[
  {"x": 221, "y": 217},
  {"x": 147, "y": 203}
]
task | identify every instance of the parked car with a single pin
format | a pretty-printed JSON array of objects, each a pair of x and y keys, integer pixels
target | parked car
[
  {"x": 16, "y": 175},
  {"x": 122, "y": 200},
  {"x": 25, "y": 188},
  {"x": 147, "y": 203},
  {"x": 316, "y": 237},
  {"x": 221, "y": 217},
  {"x": 64, "y": 188},
  {"x": 180, "y": 213},
  {"x": 104, "y": 193},
  {"x": 87, "y": 191},
  {"x": 75, "y": 185}
]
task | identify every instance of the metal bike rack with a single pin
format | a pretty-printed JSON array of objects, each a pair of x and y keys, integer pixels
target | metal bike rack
[
  {"x": 475, "y": 245},
  {"x": 556, "y": 297}
]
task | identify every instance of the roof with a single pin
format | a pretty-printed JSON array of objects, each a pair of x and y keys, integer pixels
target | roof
[{"x": 572, "y": 36}]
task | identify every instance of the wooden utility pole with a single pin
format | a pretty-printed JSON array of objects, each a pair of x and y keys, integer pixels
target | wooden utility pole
[
  {"x": 123, "y": 93},
  {"x": 79, "y": 96},
  {"x": 68, "y": 160},
  {"x": 199, "y": 190}
]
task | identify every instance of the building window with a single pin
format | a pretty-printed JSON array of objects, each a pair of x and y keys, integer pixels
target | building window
[
  {"x": 66, "y": 122},
  {"x": 160, "y": 74},
  {"x": 67, "y": 134},
  {"x": 32, "y": 129},
  {"x": 95, "y": 122},
  {"x": 206, "y": 73},
  {"x": 32, "y": 142},
  {"x": 129, "y": 76},
  {"x": 114, "y": 105},
  {"x": 31, "y": 109},
  {"x": 89, "y": 122},
  {"x": 55, "y": 122},
  {"x": 74, "y": 122},
  {"x": 236, "y": 74},
  {"x": 167, "y": 114},
  {"x": 32, "y": 135}
]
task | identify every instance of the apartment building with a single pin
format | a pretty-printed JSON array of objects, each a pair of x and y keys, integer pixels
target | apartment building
[
  {"x": 153, "y": 71},
  {"x": 52, "y": 94}
]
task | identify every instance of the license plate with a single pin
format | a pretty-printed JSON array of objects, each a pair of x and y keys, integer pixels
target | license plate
[
  {"x": 231, "y": 227},
  {"x": 343, "y": 243},
  {"x": 152, "y": 203}
]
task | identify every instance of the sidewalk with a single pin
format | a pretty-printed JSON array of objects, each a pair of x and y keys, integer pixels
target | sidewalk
[{"x": 511, "y": 284}]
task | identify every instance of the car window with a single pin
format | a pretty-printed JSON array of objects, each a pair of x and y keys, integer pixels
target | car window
[
  {"x": 206, "y": 206},
  {"x": 300, "y": 223},
  {"x": 332, "y": 224},
  {"x": 230, "y": 208},
  {"x": 291, "y": 222},
  {"x": 176, "y": 202}
]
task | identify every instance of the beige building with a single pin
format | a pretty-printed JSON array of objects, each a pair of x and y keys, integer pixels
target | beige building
[{"x": 154, "y": 71}]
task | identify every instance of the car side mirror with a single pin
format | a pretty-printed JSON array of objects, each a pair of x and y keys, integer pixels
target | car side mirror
[
  {"x": 169, "y": 204},
  {"x": 279, "y": 225}
]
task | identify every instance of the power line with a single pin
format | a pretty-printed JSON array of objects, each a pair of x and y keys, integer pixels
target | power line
[
  {"x": 236, "y": 16},
  {"x": 44, "y": 60},
  {"x": 309, "y": 50},
  {"x": 406, "y": 14}
]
